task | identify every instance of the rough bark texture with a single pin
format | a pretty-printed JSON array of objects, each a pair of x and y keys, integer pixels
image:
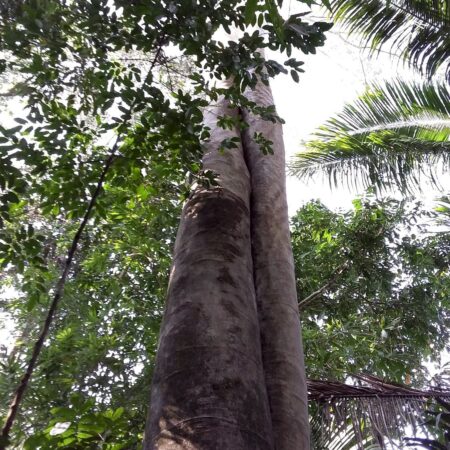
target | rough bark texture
[
  {"x": 208, "y": 388},
  {"x": 275, "y": 283}
]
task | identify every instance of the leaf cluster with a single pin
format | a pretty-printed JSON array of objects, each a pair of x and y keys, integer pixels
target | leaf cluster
[{"x": 386, "y": 311}]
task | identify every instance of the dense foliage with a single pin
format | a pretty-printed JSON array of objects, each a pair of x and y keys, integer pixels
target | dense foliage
[
  {"x": 373, "y": 292},
  {"x": 373, "y": 289}
]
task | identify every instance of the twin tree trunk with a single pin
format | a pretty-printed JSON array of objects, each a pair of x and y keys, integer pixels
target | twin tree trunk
[{"x": 229, "y": 373}]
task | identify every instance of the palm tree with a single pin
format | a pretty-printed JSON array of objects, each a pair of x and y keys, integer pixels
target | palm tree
[
  {"x": 396, "y": 131},
  {"x": 391, "y": 135}
]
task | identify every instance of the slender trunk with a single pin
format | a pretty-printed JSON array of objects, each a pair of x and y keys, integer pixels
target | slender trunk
[
  {"x": 275, "y": 282},
  {"x": 208, "y": 388}
]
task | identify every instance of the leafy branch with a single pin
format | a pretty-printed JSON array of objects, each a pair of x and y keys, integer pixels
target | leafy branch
[
  {"x": 59, "y": 289},
  {"x": 331, "y": 282}
]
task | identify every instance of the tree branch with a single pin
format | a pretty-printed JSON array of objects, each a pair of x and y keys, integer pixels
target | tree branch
[
  {"x": 8, "y": 94},
  {"x": 334, "y": 277},
  {"x": 59, "y": 290}
]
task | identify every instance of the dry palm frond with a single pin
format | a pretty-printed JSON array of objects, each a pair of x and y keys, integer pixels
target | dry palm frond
[{"x": 373, "y": 412}]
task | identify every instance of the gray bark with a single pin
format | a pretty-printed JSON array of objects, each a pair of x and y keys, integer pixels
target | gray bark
[
  {"x": 208, "y": 387},
  {"x": 275, "y": 285}
]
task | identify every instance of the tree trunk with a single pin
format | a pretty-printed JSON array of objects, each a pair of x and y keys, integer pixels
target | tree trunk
[
  {"x": 208, "y": 387},
  {"x": 275, "y": 285}
]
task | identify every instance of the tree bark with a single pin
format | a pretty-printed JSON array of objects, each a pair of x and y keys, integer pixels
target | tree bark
[
  {"x": 208, "y": 387},
  {"x": 274, "y": 280}
]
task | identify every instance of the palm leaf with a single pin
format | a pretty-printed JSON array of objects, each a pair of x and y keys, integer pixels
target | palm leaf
[
  {"x": 391, "y": 136},
  {"x": 368, "y": 414},
  {"x": 338, "y": 436},
  {"x": 419, "y": 29},
  {"x": 335, "y": 429}
]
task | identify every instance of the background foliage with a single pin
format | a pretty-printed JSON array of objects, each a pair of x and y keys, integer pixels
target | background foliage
[{"x": 385, "y": 306}]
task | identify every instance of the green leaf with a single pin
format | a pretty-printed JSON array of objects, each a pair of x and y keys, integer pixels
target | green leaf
[
  {"x": 392, "y": 134},
  {"x": 250, "y": 11},
  {"x": 276, "y": 19},
  {"x": 327, "y": 4}
]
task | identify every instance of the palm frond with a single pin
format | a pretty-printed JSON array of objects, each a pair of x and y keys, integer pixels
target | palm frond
[
  {"x": 391, "y": 136},
  {"x": 373, "y": 412},
  {"x": 393, "y": 105},
  {"x": 337, "y": 435},
  {"x": 419, "y": 29}
]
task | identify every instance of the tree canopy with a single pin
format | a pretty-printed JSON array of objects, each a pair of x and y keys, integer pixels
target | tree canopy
[
  {"x": 372, "y": 286},
  {"x": 117, "y": 88},
  {"x": 102, "y": 147}
]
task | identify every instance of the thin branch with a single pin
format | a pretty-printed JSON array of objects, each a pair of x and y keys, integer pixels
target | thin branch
[
  {"x": 37, "y": 348},
  {"x": 13, "y": 91},
  {"x": 8, "y": 94},
  {"x": 362, "y": 47},
  {"x": 59, "y": 289},
  {"x": 333, "y": 279}
]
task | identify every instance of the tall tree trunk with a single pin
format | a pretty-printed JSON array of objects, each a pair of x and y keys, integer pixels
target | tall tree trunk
[
  {"x": 208, "y": 388},
  {"x": 275, "y": 282}
]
